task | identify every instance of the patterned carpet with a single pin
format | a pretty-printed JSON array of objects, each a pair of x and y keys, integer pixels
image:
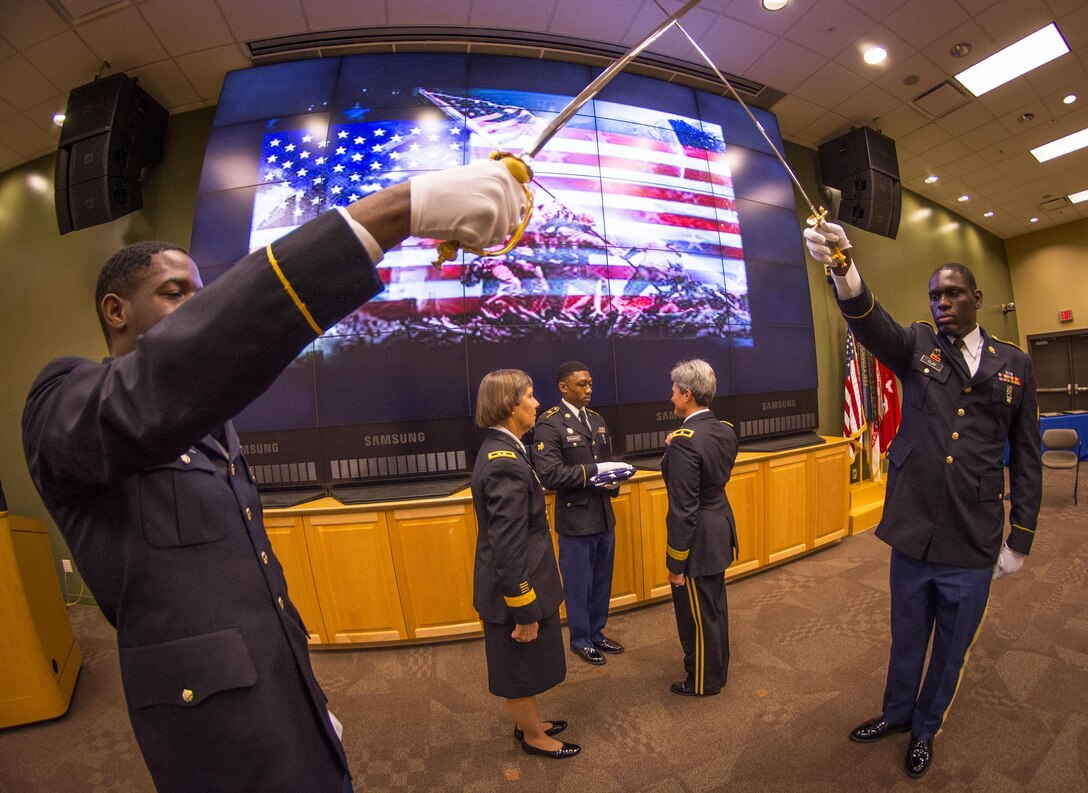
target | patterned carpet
[{"x": 809, "y": 643}]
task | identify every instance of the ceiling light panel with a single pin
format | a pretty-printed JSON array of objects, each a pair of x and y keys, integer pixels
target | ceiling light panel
[{"x": 1029, "y": 53}]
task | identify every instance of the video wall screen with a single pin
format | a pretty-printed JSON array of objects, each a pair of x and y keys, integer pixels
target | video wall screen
[{"x": 663, "y": 228}]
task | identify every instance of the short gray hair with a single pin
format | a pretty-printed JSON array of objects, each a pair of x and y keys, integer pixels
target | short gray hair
[{"x": 696, "y": 376}]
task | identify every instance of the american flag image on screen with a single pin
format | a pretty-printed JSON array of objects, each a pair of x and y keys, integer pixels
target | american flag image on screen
[{"x": 634, "y": 226}]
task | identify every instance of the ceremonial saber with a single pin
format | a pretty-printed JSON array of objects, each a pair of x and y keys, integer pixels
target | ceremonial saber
[
  {"x": 818, "y": 216},
  {"x": 519, "y": 165}
]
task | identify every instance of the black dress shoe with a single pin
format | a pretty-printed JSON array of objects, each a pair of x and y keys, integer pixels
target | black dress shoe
[
  {"x": 685, "y": 689},
  {"x": 558, "y": 725},
  {"x": 919, "y": 756},
  {"x": 606, "y": 645},
  {"x": 875, "y": 729},
  {"x": 562, "y": 753},
  {"x": 589, "y": 655}
]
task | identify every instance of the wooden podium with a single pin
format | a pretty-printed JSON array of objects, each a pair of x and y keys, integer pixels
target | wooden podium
[{"x": 39, "y": 657}]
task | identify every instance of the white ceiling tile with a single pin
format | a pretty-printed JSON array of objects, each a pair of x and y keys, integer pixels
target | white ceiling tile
[
  {"x": 64, "y": 60},
  {"x": 167, "y": 84},
  {"x": 940, "y": 49},
  {"x": 1062, "y": 72},
  {"x": 1008, "y": 21},
  {"x": 916, "y": 21},
  {"x": 924, "y": 139},
  {"x": 911, "y": 78},
  {"x": 122, "y": 39},
  {"x": 24, "y": 136},
  {"x": 601, "y": 21},
  {"x": 21, "y": 84},
  {"x": 734, "y": 46},
  {"x": 976, "y": 6},
  {"x": 6, "y": 50},
  {"x": 253, "y": 20},
  {"x": 1017, "y": 93},
  {"x": 966, "y": 118},
  {"x": 985, "y": 135},
  {"x": 901, "y": 121},
  {"x": 867, "y": 105},
  {"x": 827, "y": 127},
  {"x": 42, "y": 114},
  {"x": 26, "y": 22},
  {"x": 785, "y": 65},
  {"x": 777, "y": 22},
  {"x": 9, "y": 157},
  {"x": 948, "y": 152},
  {"x": 205, "y": 70},
  {"x": 877, "y": 9},
  {"x": 187, "y": 27},
  {"x": 899, "y": 51},
  {"x": 6, "y": 110},
  {"x": 829, "y": 27},
  {"x": 346, "y": 14},
  {"x": 794, "y": 114},
  {"x": 829, "y": 86}
]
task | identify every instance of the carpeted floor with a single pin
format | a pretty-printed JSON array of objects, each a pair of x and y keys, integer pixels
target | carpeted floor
[{"x": 809, "y": 643}]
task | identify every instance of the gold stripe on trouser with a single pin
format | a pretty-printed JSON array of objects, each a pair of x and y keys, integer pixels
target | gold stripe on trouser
[
  {"x": 700, "y": 643},
  {"x": 963, "y": 666}
]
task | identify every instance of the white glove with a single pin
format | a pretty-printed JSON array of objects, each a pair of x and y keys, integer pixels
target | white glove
[
  {"x": 477, "y": 205},
  {"x": 604, "y": 468},
  {"x": 817, "y": 239},
  {"x": 1008, "y": 562}
]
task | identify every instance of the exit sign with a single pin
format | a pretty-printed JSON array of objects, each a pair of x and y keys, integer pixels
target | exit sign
[{"x": 1065, "y": 315}]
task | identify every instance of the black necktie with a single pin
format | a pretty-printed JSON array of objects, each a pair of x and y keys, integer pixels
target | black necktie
[
  {"x": 585, "y": 419},
  {"x": 958, "y": 346}
]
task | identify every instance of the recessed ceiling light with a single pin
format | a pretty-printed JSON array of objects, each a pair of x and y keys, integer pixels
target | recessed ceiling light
[
  {"x": 1056, "y": 148},
  {"x": 1030, "y": 52},
  {"x": 1076, "y": 198},
  {"x": 58, "y": 119},
  {"x": 1070, "y": 99},
  {"x": 1033, "y": 220},
  {"x": 775, "y": 5},
  {"x": 989, "y": 214},
  {"x": 960, "y": 50},
  {"x": 875, "y": 55},
  {"x": 964, "y": 197},
  {"x": 931, "y": 179}
]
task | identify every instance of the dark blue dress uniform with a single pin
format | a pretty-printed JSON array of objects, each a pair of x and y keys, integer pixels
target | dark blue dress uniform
[
  {"x": 138, "y": 464},
  {"x": 516, "y": 581},
  {"x": 702, "y": 543},
  {"x": 566, "y": 453},
  {"x": 944, "y": 511}
]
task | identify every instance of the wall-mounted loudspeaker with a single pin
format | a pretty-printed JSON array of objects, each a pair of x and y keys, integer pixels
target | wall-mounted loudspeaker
[
  {"x": 112, "y": 129},
  {"x": 862, "y": 164}
]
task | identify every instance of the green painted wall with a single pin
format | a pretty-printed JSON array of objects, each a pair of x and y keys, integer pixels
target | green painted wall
[
  {"x": 1049, "y": 273},
  {"x": 47, "y": 293}
]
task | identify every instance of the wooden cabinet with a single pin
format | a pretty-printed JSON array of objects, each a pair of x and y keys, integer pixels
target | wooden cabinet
[
  {"x": 355, "y": 577},
  {"x": 787, "y": 506},
  {"x": 288, "y": 539},
  {"x": 745, "y": 492},
  {"x": 433, "y": 553},
  {"x": 402, "y": 571},
  {"x": 831, "y": 494}
]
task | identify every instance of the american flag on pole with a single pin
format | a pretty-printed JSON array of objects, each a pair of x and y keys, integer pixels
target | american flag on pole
[{"x": 853, "y": 420}]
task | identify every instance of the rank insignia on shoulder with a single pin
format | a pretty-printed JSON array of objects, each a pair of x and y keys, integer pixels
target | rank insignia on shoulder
[
  {"x": 550, "y": 412},
  {"x": 540, "y": 446},
  {"x": 501, "y": 453},
  {"x": 990, "y": 349},
  {"x": 683, "y": 433}
]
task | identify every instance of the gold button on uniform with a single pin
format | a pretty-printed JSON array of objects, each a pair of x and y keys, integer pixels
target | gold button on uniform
[
  {"x": 280, "y": 601},
  {"x": 264, "y": 557},
  {"x": 967, "y": 390},
  {"x": 249, "y": 514},
  {"x": 926, "y": 370},
  {"x": 186, "y": 459},
  {"x": 232, "y": 469},
  {"x": 955, "y": 436},
  {"x": 959, "y": 412},
  {"x": 948, "y": 459},
  {"x": 187, "y": 694}
]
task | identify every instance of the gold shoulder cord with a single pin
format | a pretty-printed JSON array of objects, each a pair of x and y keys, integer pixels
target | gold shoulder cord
[{"x": 291, "y": 290}]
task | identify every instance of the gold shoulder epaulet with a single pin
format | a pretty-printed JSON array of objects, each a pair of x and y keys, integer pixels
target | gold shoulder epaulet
[
  {"x": 1010, "y": 343},
  {"x": 683, "y": 433},
  {"x": 730, "y": 423},
  {"x": 927, "y": 322},
  {"x": 501, "y": 453},
  {"x": 550, "y": 412},
  {"x": 591, "y": 410}
]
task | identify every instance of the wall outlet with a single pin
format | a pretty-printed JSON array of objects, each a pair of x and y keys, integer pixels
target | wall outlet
[{"x": 66, "y": 564}]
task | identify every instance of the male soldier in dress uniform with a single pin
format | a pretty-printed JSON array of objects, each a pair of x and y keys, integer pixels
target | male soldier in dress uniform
[
  {"x": 570, "y": 446},
  {"x": 137, "y": 461},
  {"x": 702, "y": 536},
  {"x": 965, "y": 394}
]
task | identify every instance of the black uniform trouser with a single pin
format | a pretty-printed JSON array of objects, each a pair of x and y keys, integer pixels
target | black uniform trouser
[{"x": 703, "y": 624}]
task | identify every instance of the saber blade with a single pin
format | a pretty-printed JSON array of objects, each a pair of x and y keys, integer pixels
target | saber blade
[{"x": 602, "y": 80}]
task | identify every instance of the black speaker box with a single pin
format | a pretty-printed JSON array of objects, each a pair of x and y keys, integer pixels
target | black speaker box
[
  {"x": 112, "y": 130},
  {"x": 860, "y": 149},
  {"x": 873, "y": 202}
]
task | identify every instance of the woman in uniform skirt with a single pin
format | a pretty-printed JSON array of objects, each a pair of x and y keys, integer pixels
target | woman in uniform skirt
[{"x": 516, "y": 586}]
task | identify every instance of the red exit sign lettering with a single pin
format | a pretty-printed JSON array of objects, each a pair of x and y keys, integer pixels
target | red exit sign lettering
[{"x": 1065, "y": 315}]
